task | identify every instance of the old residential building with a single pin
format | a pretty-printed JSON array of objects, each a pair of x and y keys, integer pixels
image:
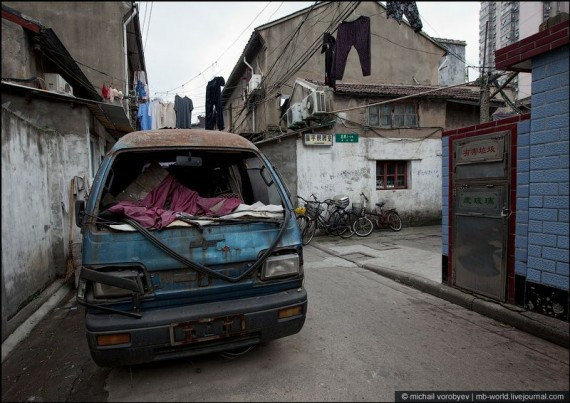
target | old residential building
[
  {"x": 56, "y": 126},
  {"x": 391, "y": 152}
]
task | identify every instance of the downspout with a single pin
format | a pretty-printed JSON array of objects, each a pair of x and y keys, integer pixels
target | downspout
[
  {"x": 252, "y": 73},
  {"x": 126, "y": 92}
]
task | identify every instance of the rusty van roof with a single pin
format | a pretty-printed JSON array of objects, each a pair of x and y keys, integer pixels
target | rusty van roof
[{"x": 182, "y": 138}]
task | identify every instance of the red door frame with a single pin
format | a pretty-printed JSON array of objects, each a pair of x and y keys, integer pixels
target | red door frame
[{"x": 510, "y": 124}]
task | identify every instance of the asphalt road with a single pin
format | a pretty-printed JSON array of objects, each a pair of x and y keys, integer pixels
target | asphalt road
[{"x": 365, "y": 338}]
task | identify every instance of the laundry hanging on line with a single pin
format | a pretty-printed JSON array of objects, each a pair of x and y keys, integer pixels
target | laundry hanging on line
[
  {"x": 214, "y": 111},
  {"x": 183, "y": 107},
  {"x": 156, "y": 114},
  {"x": 352, "y": 33},
  {"x": 397, "y": 9},
  {"x": 140, "y": 84},
  {"x": 329, "y": 49}
]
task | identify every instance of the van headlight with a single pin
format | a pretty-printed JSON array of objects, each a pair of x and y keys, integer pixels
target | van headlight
[{"x": 280, "y": 266}]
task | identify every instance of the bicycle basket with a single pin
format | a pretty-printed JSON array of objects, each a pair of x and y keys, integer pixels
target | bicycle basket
[
  {"x": 356, "y": 208},
  {"x": 312, "y": 208}
]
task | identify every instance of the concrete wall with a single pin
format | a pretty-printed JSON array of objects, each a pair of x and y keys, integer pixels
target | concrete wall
[
  {"x": 284, "y": 157},
  {"x": 461, "y": 115},
  {"x": 17, "y": 53},
  {"x": 451, "y": 68},
  {"x": 350, "y": 168},
  {"x": 390, "y": 63},
  {"x": 92, "y": 32},
  {"x": 44, "y": 145},
  {"x": 546, "y": 232}
]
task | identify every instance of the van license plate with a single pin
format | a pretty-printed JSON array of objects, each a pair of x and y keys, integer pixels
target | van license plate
[{"x": 206, "y": 329}]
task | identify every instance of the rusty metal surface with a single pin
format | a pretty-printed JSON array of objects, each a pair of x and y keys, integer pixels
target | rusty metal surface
[{"x": 182, "y": 138}]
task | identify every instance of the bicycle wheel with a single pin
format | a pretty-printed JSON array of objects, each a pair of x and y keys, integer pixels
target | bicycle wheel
[
  {"x": 333, "y": 222},
  {"x": 309, "y": 231},
  {"x": 346, "y": 223},
  {"x": 363, "y": 226},
  {"x": 394, "y": 221}
]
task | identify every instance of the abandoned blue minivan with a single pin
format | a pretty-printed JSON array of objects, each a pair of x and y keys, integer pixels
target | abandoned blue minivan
[{"x": 190, "y": 246}]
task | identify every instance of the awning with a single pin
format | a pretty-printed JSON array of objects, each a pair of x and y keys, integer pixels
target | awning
[{"x": 112, "y": 116}]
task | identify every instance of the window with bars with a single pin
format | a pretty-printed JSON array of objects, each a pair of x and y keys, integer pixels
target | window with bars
[
  {"x": 393, "y": 115},
  {"x": 391, "y": 175}
]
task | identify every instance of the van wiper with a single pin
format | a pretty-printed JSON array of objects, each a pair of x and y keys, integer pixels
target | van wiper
[{"x": 193, "y": 220}]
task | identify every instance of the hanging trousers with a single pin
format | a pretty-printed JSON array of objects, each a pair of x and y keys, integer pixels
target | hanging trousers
[
  {"x": 214, "y": 112},
  {"x": 354, "y": 33},
  {"x": 329, "y": 49}
]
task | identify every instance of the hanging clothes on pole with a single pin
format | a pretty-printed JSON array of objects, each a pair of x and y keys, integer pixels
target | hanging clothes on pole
[
  {"x": 354, "y": 33},
  {"x": 214, "y": 111},
  {"x": 397, "y": 9},
  {"x": 144, "y": 117},
  {"x": 183, "y": 108},
  {"x": 329, "y": 49}
]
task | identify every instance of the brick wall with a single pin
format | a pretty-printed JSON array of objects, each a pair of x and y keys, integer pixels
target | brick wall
[{"x": 546, "y": 233}]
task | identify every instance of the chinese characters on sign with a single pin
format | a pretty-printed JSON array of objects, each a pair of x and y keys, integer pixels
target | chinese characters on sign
[
  {"x": 479, "y": 200},
  {"x": 484, "y": 150},
  {"x": 312, "y": 139},
  {"x": 346, "y": 138}
]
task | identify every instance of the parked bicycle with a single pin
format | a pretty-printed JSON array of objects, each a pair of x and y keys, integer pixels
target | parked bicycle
[
  {"x": 329, "y": 215},
  {"x": 363, "y": 225},
  {"x": 386, "y": 218}
]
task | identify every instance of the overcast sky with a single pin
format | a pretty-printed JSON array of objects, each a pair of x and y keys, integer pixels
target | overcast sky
[{"x": 188, "y": 43}]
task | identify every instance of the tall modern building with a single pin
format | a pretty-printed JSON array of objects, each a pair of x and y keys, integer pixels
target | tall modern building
[{"x": 509, "y": 22}]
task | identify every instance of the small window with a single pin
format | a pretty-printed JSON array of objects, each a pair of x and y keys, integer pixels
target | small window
[
  {"x": 393, "y": 115},
  {"x": 391, "y": 175}
]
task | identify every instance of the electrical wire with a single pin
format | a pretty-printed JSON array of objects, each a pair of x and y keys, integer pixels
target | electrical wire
[
  {"x": 148, "y": 24},
  {"x": 311, "y": 50},
  {"x": 223, "y": 53}
]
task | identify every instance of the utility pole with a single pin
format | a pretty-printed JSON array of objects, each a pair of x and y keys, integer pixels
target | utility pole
[{"x": 484, "y": 97}]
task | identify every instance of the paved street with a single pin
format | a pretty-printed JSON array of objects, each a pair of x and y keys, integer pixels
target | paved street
[{"x": 365, "y": 337}]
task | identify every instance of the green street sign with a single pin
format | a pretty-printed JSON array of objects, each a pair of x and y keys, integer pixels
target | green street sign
[{"x": 346, "y": 138}]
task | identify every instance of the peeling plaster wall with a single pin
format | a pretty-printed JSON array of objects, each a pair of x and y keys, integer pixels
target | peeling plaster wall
[
  {"x": 44, "y": 145},
  {"x": 350, "y": 168}
]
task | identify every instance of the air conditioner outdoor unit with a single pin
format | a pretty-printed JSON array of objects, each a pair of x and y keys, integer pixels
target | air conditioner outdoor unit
[
  {"x": 295, "y": 117},
  {"x": 317, "y": 103},
  {"x": 55, "y": 82},
  {"x": 254, "y": 83}
]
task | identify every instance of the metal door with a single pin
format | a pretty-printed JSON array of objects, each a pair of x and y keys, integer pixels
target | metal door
[{"x": 480, "y": 214}]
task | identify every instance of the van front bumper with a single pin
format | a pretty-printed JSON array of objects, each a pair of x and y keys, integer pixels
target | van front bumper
[{"x": 190, "y": 330}]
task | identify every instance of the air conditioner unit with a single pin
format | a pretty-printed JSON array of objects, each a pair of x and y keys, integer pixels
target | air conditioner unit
[
  {"x": 295, "y": 116},
  {"x": 317, "y": 103},
  {"x": 254, "y": 83},
  {"x": 55, "y": 82}
]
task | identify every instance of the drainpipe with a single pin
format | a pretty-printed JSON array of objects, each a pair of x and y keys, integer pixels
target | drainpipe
[
  {"x": 252, "y": 72},
  {"x": 126, "y": 92}
]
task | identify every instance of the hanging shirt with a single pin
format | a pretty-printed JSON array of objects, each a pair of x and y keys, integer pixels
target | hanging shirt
[
  {"x": 155, "y": 114},
  {"x": 396, "y": 9},
  {"x": 183, "y": 109},
  {"x": 353, "y": 33},
  {"x": 144, "y": 117},
  {"x": 168, "y": 115}
]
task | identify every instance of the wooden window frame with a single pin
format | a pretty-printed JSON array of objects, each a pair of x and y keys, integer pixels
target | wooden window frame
[
  {"x": 378, "y": 109},
  {"x": 382, "y": 171}
]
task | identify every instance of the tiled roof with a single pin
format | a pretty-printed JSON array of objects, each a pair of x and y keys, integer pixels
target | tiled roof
[{"x": 470, "y": 93}]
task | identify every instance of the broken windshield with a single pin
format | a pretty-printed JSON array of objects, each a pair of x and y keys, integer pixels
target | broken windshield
[{"x": 164, "y": 188}]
